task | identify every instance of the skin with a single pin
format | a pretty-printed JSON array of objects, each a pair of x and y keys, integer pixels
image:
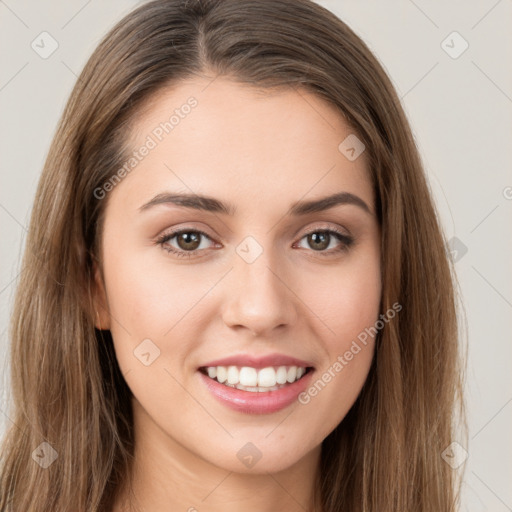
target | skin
[{"x": 261, "y": 152}]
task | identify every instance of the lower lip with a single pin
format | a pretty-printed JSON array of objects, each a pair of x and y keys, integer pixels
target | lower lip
[{"x": 264, "y": 402}]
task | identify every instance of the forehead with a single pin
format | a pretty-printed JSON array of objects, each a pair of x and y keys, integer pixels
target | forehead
[{"x": 220, "y": 137}]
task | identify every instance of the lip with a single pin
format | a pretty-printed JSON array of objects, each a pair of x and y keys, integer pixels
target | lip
[
  {"x": 264, "y": 402},
  {"x": 258, "y": 361}
]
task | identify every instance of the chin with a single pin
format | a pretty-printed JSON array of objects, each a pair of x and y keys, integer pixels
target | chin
[{"x": 260, "y": 458}]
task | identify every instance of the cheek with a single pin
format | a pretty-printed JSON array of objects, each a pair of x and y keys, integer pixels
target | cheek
[
  {"x": 355, "y": 306},
  {"x": 347, "y": 301},
  {"x": 152, "y": 312},
  {"x": 148, "y": 298},
  {"x": 346, "y": 298}
]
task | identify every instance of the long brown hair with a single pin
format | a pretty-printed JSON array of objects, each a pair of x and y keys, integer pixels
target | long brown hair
[{"x": 68, "y": 391}]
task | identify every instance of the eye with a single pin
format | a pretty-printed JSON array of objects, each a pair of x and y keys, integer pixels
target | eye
[
  {"x": 188, "y": 242},
  {"x": 321, "y": 239}
]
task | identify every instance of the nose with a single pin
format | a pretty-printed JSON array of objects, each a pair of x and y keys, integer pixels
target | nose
[{"x": 259, "y": 297}]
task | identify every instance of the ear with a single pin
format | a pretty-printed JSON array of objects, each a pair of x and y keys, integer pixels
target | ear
[{"x": 100, "y": 302}]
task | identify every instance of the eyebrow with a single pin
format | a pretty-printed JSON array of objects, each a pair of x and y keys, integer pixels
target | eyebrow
[{"x": 210, "y": 204}]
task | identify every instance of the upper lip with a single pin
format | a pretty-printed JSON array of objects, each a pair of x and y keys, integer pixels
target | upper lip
[{"x": 258, "y": 361}]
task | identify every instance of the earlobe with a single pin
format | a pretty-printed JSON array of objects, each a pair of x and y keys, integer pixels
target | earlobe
[{"x": 100, "y": 303}]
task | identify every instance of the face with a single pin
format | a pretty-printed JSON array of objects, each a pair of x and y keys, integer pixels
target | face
[{"x": 257, "y": 284}]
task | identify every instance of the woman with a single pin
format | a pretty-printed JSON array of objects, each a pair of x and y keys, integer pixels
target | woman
[{"x": 235, "y": 292}]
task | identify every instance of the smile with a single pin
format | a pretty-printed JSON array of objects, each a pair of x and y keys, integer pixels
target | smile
[{"x": 255, "y": 380}]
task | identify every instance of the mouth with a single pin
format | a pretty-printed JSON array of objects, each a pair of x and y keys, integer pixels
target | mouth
[
  {"x": 256, "y": 380},
  {"x": 256, "y": 384}
]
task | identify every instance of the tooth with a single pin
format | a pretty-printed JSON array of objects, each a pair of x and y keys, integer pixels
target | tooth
[
  {"x": 233, "y": 375},
  {"x": 281, "y": 375},
  {"x": 248, "y": 376},
  {"x": 222, "y": 374},
  {"x": 291, "y": 374},
  {"x": 267, "y": 377}
]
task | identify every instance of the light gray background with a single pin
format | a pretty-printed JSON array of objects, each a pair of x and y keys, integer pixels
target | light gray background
[{"x": 460, "y": 110}]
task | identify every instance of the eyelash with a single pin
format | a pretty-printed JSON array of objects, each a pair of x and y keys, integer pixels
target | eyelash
[{"x": 346, "y": 242}]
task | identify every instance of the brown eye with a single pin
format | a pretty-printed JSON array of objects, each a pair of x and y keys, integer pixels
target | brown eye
[
  {"x": 321, "y": 239},
  {"x": 188, "y": 240},
  {"x": 184, "y": 243}
]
